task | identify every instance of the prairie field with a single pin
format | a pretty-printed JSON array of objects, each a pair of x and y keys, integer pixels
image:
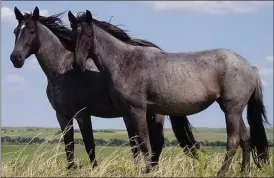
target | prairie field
[
  {"x": 49, "y": 160},
  {"x": 201, "y": 134}
]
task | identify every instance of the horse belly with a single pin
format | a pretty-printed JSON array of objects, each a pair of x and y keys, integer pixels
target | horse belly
[
  {"x": 98, "y": 103},
  {"x": 103, "y": 109},
  {"x": 183, "y": 102}
]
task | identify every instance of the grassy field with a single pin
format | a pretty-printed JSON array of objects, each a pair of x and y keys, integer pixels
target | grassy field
[
  {"x": 201, "y": 134},
  {"x": 49, "y": 160},
  {"x": 10, "y": 151}
]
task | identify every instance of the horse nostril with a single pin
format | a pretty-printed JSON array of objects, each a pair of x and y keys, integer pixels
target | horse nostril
[
  {"x": 15, "y": 57},
  {"x": 19, "y": 56}
]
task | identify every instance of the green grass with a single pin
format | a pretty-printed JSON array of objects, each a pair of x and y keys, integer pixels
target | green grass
[
  {"x": 10, "y": 151},
  {"x": 201, "y": 134},
  {"x": 49, "y": 160}
]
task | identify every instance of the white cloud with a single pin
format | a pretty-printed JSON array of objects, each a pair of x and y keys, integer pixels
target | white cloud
[
  {"x": 211, "y": 7},
  {"x": 267, "y": 71},
  {"x": 264, "y": 82},
  {"x": 269, "y": 59},
  {"x": 32, "y": 63},
  {"x": 7, "y": 15},
  {"x": 15, "y": 82}
]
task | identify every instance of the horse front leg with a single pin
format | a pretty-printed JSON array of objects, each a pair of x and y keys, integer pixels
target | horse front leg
[
  {"x": 155, "y": 126},
  {"x": 85, "y": 125},
  {"x": 66, "y": 124},
  {"x": 132, "y": 137},
  {"x": 138, "y": 117}
]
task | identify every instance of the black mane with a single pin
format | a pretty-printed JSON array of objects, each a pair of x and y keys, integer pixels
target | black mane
[
  {"x": 56, "y": 25},
  {"x": 116, "y": 32}
]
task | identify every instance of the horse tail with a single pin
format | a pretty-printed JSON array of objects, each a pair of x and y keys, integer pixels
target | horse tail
[
  {"x": 183, "y": 132},
  {"x": 256, "y": 115}
]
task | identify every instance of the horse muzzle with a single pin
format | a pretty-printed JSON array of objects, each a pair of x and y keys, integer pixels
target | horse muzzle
[{"x": 17, "y": 60}]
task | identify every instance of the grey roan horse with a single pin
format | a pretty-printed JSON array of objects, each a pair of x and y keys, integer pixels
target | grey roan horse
[
  {"x": 70, "y": 90},
  {"x": 141, "y": 78}
]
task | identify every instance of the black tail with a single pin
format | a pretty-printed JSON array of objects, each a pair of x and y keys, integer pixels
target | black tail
[
  {"x": 183, "y": 132},
  {"x": 256, "y": 115}
]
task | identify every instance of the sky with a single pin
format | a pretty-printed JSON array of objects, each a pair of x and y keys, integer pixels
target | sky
[{"x": 245, "y": 27}]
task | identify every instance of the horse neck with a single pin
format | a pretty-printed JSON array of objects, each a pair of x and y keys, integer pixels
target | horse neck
[
  {"x": 53, "y": 58},
  {"x": 109, "y": 54}
]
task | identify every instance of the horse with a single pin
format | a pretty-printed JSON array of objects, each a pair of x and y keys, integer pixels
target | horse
[
  {"x": 185, "y": 83},
  {"x": 69, "y": 91}
]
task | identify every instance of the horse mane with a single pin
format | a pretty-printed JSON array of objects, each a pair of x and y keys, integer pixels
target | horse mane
[
  {"x": 56, "y": 25},
  {"x": 141, "y": 42},
  {"x": 117, "y": 32}
]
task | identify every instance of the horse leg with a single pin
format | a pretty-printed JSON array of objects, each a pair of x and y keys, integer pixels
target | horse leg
[
  {"x": 138, "y": 117},
  {"x": 66, "y": 125},
  {"x": 155, "y": 125},
  {"x": 131, "y": 135},
  {"x": 245, "y": 145},
  {"x": 183, "y": 133},
  {"x": 85, "y": 126},
  {"x": 233, "y": 139}
]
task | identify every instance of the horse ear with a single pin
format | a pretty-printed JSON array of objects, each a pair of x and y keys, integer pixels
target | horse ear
[
  {"x": 35, "y": 15},
  {"x": 88, "y": 16},
  {"x": 71, "y": 17},
  {"x": 19, "y": 16}
]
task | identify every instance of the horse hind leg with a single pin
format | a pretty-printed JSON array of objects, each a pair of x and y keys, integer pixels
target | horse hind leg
[
  {"x": 233, "y": 110},
  {"x": 245, "y": 145},
  {"x": 233, "y": 140},
  {"x": 184, "y": 135}
]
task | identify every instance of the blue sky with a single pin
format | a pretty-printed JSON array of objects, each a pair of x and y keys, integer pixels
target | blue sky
[{"x": 245, "y": 27}]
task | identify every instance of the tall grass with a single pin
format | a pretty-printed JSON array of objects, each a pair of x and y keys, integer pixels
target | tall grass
[
  {"x": 51, "y": 162},
  {"x": 48, "y": 161}
]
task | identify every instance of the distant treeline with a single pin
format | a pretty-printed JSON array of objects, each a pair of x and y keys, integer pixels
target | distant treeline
[
  {"x": 58, "y": 132},
  {"x": 105, "y": 131},
  {"x": 77, "y": 130},
  {"x": 101, "y": 142}
]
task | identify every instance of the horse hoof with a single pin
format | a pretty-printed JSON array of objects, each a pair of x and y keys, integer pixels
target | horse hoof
[
  {"x": 80, "y": 166},
  {"x": 146, "y": 170},
  {"x": 155, "y": 168},
  {"x": 72, "y": 166},
  {"x": 244, "y": 174},
  {"x": 220, "y": 174},
  {"x": 94, "y": 164}
]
